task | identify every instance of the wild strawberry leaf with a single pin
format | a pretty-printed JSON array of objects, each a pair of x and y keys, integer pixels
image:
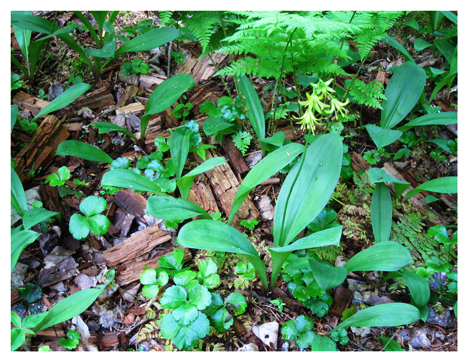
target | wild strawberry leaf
[
  {"x": 173, "y": 297},
  {"x": 93, "y": 205},
  {"x": 199, "y": 296},
  {"x": 185, "y": 314},
  {"x": 237, "y": 302}
]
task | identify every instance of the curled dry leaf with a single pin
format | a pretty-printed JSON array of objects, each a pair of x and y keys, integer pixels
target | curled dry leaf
[{"x": 268, "y": 333}]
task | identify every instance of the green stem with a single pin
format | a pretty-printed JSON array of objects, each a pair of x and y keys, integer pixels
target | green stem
[
  {"x": 42, "y": 56},
  {"x": 273, "y": 104},
  {"x": 341, "y": 47},
  {"x": 217, "y": 70}
]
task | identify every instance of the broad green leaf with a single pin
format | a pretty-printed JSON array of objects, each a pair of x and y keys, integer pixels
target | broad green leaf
[
  {"x": 14, "y": 115},
  {"x": 64, "y": 99},
  {"x": 391, "y": 345},
  {"x": 384, "y": 256},
  {"x": 169, "y": 327},
  {"x": 17, "y": 338},
  {"x": 378, "y": 175},
  {"x": 183, "y": 278},
  {"x": 237, "y": 302},
  {"x": 381, "y": 212},
  {"x": 217, "y": 236},
  {"x": 173, "y": 297},
  {"x": 305, "y": 339},
  {"x": 221, "y": 320},
  {"x": 421, "y": 44},
  {"x": 326, "y": 275},
  {"x": 180, "y": 145},
  {"x": 325, "y": 237},
  {"x": 253, "y": 106},
  {"x": 323, "y": 344},
  {"x": 170, "y": 208},
  {"x": 130, "y": 180},
  {"x": 289, "y": 330},
  {"x": 188, "y": 336},
  {"x": 32, "y": 22},
  {"x": 23, "y": 36},
  {"x": 98, "y": 224},
  {"x": 150, "y": 291},
  {"x": 419, "y": 288},
  {"x": 150, "y": 40},
  {"x": 185, "y": 314},
  {"x": 383, "y": 315},
  {"x": 277, "y": 140},
  {"x": 263, "y": 170},
  {"x": 216, "y": 303},
  {"x": 173, "y": 261},
  {"x": 19, "y": 242},
  {"x": 18, "y": 196},
  {"x": 78, "y": 226},
  {"x": 382, "y": 137},
  {"x": 83, "y": 150},
  {"x": 443, "y": 118},
  {"x": 212, "y": 281},
  {"x": 69, "y": 307},
  {"x": 213, "y": 125},
  {"x": 207, "y": 267},
  {"x": 402, "y": 93},
  {"x": 148, "y": 277},
  {"x": 185, "y": 182},
  {"x": 446, "y": 185},
  {"x": 304, "y": 324},
  {"x": 105, "y": 127},
  {"x": 445, "y": 48},
  {"x": 199, "y": 296},
  {"x": 399, "y": 47},
  {"x": 100, "y": 17},
  {"x": 316, "y": 177},
  {"x": 107, "y": 51},
  {"x": 16, "y": 319},
  {"x": 93, "y": 205},
  {"x": 36, "y": 216},
  {"x": 435, "y": 18},
  {"x": 451, "y": 16}
]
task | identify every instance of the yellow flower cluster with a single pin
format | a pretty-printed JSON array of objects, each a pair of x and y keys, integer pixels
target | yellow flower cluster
[{"x": 320, "y": 92}]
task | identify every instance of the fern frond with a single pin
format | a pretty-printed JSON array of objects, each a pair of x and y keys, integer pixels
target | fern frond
[
  {"x": 164, "y": 16},
  {"x": 367, "y": 94}
]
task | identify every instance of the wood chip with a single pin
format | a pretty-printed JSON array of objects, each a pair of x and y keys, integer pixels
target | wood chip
[{"x": 99, "y": 99}]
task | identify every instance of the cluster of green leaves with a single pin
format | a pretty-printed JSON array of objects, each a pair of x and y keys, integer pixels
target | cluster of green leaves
[
  {"x": 300, "y": 330},
  {"x": 72, "y": 340},
  {"x": 305, "y": 288},
  {"x": 135, "y": 67},
  {"x": 182, "y": 110},
  {"x": 93, "y": 221}
]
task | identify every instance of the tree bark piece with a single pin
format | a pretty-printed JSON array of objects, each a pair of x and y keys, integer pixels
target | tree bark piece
[
  {"x": 129, "y": 92},
  {"x": 130, "y": 271},
  {"x": 40, "y": 152},
  {"x": 236, "y": 160},
  {"x": 202, "y": 195},
  {"x": 225, "y": 185},
  {"x": 52, "y": 201},
  {"x": 99, "y": 99},
  {"x": 132, "y": 203},
  {"x": 137, "y": 245},
  {"x": 342, "y": 299},
  {"x": 146, "y": 81},
  {"x": 131, "y": 108}
]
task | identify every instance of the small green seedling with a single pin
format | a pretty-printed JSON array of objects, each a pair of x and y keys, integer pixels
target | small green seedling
[
  {"x": 218, "y": 312},
  {"x": 437, "y": 155},
  {"x": 173, "y": 261},
  {"x": 347, "y": 313},
  {"x": 207, "y": 274},
  {"x": 93, "y": 221},
  {"x": 135, "y": 67},
  {"x": 16, "y": 81},
  {"x": 242, "y": 141},
  {"x": 78, "y": 182},
  {"x": 178, "y": 57},
  {"x": 152, "y": 282},
  {"x": 72, "y": 340},
  {"x": 247, "y": 270},
  {"x": 18, "y": 334},
  {"x": 340, "y": 335},
  {"x": 249, "y": 224},
  {"x": 299, "y": 329},
  {"x": 45, "y": 348},
  {"x": 439, "y": 232},
  {"x": 279, "y": 303},
  {"x": 58, "y": 179},
  {"x": 182, "y": 110}
]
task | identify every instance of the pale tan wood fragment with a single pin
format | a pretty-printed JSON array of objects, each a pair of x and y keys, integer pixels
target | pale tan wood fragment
[
  {"x": 147, "y": 81},
  {"x": 131, "y": 271},
  {"x": 129, "y": 92},
  {"x": 136, "y": 245},
  {"x": 131, "y": 108},
  {"x": 99, "y": 99},
  {"x": 27, "y": 102},
  {"x": 202, "y": 195}
]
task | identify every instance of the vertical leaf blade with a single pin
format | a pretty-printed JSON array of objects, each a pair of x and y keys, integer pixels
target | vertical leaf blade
[
  {"x": 402, "y": 93},
  {"x": 307, "y": 189},
  {"x": 180, "y": 145},
  {"x": 381, "y": 212},
  {"x": 252, "y": 104}
]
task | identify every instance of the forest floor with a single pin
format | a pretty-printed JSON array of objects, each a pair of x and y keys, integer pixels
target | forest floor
[{"x": 124, "y": 319}]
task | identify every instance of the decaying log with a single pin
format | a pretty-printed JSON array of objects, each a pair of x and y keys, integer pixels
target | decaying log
[
  {"x": 202, "y": 195},
  {"x": 291, "y": 303},
  {"x": 130, "y": 271},
  {"x": 106, "y": 340},
  {"x": 225, "y": 185},
  {"x": 235, "y": 158},
  {"x": 52, "y": 201},
  {"x": 99, "y": 99},
  {"x": 27, "y": 102},
  {"x": 141, "y": 243},
  {"x": 341, "y": 300},
  {"x": 129, "y": 92},
  {"x": 40, "y": 152},
  {"x": 132, "y": 203}
]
